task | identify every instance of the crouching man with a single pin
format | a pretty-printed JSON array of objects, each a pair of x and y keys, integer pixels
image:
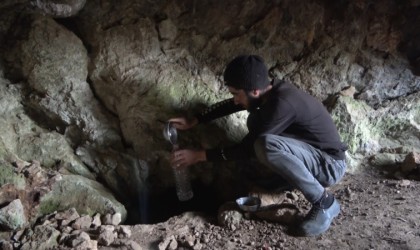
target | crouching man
[{"x": 290, "y": 132}]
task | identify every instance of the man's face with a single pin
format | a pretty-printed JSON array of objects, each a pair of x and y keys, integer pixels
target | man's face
[{"x": 242, "y": 98}]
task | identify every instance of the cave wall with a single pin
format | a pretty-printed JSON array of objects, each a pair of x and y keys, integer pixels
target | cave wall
[{"x": 86, "y": 86}]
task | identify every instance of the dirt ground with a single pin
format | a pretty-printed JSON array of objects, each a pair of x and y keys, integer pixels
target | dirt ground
[{"x": 377, "y": 212}]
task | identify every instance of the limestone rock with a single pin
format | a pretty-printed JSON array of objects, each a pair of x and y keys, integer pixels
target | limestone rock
[
  {"x": 106, "y": 235},
  {"x": 63, "y": 95},
  {"x": 169, "y": 243},
  {"x": 58, "y": 8},
  {"x": 124, "y": 232},
  {"x": 350, "y": 91},
  {"x": 82, "y": 241},
  {"x": 411, "y": 162},
  {"x": 23, "y": 139},
  {"x": 85, "y": 195},
  {"x": 112, "y": 219},
  {"x": 229, "y": 215},
  {"x": 367, "y": 131},
  {"x": 8, "y": 175},
  {"x": 83, "y": 222},
  {"x": 13, "y": 216},
  {"x": 69, "y": 215},
  {"x": 96, "y": 222},
  {"x": 44, "y": 237}
]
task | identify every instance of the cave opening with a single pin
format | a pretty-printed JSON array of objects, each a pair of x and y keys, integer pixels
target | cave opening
[{"x": 155, "y": 208}]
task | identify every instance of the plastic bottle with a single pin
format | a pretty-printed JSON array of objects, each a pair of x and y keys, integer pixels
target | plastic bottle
[
  {"x": 183, "y": 184},
  {"x": 182, "y": 180}
]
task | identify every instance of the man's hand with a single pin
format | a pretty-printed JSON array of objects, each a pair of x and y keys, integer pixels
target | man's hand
[
  {"x": 182, "y": 123},
  {"x": 186, "y": 157}
]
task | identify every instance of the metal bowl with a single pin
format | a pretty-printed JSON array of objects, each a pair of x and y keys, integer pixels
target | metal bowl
[
  {"x": 170, "y": 133},
  {"x": 249, "y": 204}
]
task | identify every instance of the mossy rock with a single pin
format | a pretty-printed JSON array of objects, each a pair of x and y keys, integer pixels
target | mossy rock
[{"x": 86, "y": 196}]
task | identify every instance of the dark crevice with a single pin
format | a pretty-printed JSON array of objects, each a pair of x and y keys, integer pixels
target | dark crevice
[{"x": 155, "y": 208}]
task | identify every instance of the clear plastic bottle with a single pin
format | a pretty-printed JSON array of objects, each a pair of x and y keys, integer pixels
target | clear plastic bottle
[
  {"x": 182, "y": 180},
  {"x": 183, "y": 184}
]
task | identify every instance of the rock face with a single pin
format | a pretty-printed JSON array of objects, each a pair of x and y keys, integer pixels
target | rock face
[
  {"x": 388, "y": 130},
  {"x": 86, "y": 95},
  {"x": 59, "y": 8},
  {"x": 54, "y": 8}
]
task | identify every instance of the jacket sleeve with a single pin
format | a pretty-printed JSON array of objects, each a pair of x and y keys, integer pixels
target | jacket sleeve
[
  {"x": 234, "y": 152},
  {"x": 218, "y": 110},
  {"x": 268, "y": 121}
]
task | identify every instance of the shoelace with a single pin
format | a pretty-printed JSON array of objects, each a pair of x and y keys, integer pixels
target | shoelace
[
  {"x": 314, "y": 211},
  {"x": 317, "y": 207}
]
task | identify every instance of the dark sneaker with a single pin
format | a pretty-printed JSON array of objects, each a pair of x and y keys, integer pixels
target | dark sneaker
[{"x": 318, "y": 220}]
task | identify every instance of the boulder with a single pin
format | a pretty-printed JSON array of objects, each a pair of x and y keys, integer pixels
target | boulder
[
  {"x": 86, "y": 196},
  {"x": 12, "y": 216}
]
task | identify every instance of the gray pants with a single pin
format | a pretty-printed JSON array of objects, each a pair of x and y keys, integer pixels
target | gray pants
[{"x": 306, "y": 168}]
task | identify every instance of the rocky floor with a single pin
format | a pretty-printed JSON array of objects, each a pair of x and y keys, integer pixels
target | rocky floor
[{"x": 378, "y": 212}]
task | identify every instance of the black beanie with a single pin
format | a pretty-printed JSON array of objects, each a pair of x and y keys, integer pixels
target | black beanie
[{"x": 246, "y": 72}]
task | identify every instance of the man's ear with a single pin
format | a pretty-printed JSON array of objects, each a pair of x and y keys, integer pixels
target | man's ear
[{"x": 255, "y": 92}]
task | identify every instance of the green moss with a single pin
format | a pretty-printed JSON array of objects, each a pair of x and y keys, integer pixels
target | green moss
[
  {"x": 86, "y": 196},
  {"x": 182, "y": 91},
  {"x": 354, "y": 125},
  {"x": 8, "y": 175},
  {"x": 392, "y": 126},
  {"x": 365, "y": 129},
  {"x": 49, "y": 205}
]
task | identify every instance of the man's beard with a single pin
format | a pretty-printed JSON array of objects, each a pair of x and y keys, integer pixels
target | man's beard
[{"x": 253, "y": 102}]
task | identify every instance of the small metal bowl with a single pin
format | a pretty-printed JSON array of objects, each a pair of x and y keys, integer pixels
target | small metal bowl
[{"x": 249, "y": 204}]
